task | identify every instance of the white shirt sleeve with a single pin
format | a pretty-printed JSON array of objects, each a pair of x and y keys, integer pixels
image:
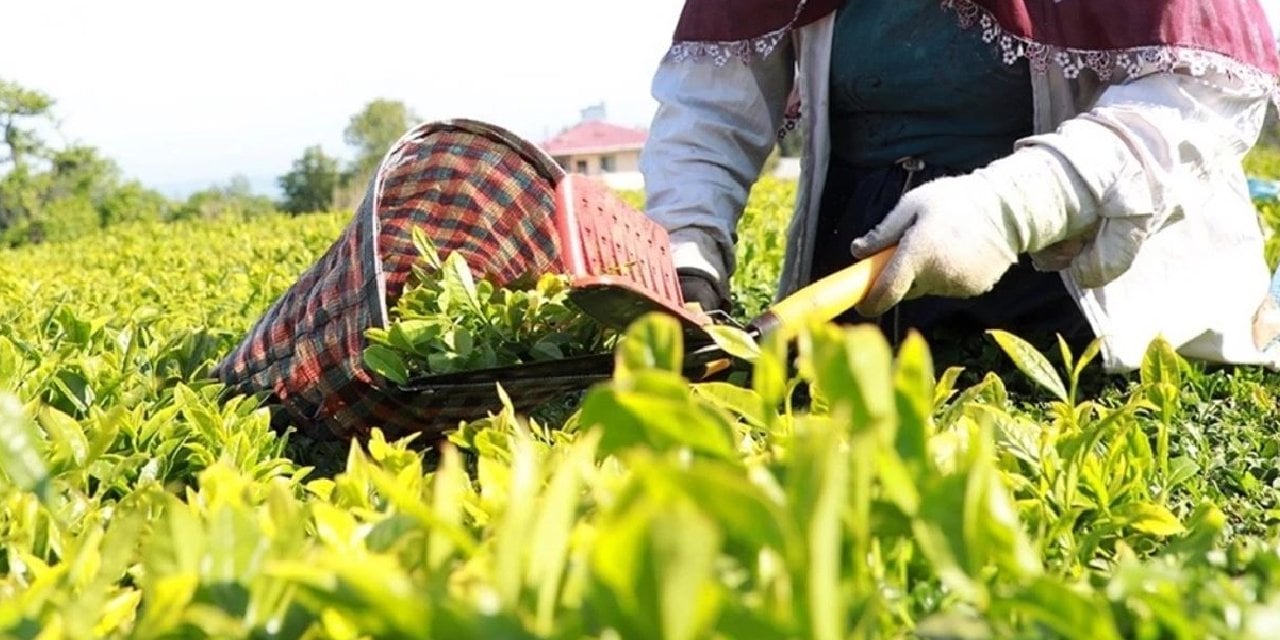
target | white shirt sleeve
[
  {"x": 714, "y": 128},
  {"x": 1147, "y": 152}
]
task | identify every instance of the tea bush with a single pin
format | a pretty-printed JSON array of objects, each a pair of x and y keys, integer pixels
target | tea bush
[{"x": 859, "y": 493}]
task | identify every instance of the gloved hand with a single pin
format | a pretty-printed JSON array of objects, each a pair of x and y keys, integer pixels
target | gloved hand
[
  {"x": 957, "y": 236},
  {"x": 698, "y": 287}
]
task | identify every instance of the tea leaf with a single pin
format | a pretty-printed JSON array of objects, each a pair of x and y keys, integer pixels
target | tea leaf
[
  {"x": 741, "y": 402},
  {"x": 1180, "y": 471},
  {"x": 655, "y": 564},
  {"x": 913, "y": 383},
  {"x": 553, "y": 531},
  {"x": 427, "y": 250},
  {"x": 386, "y": 363},
  {"x": 142, "y": 496},
  {"x": 20, "y": 455},
  {"x": 742, "y": 509},
  {"x": 67, "y": 437},
  {"x": 447, "y": 321},
  {"x": 734, "y": 342},
  {"x": 1065, "y": 611},
  {"x": 661, "y": 414},
  {"x": 1090, "y": 354},
  {"x": 1161, "y": 364},
  {"x": 1149, "y": 518},
  {"x": 11, "y": 365},
  {"x": 652, "y": 342},
  {"x": 458, "y": 282},
  {"x": 852, "y": 369},
  {"x": 946, "y": 386},
  {"x": 769, "y": 375},
  {"x": 450, "y": 488},
  {"x": 1031, "y": 362},
  {"x": 818, "y": 488},
  {"x": 684, "y": 548}
]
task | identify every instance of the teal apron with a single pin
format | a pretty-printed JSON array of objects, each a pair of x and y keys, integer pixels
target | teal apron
[{"x": 914, "y": 97}]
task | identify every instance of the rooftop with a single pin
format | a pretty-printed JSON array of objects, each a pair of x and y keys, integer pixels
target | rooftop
[{"x": 594, "y": 136}]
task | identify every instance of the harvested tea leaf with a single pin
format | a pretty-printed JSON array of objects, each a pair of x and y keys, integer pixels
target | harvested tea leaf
[{"x": 447, "y": 320}]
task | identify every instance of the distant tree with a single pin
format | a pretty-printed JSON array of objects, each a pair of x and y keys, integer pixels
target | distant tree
[
  {"x": 132, "y": 202},
  {"x": 374, "y": 129},
  {"x": 80, "y": 180},
  {"x": 60, "y": 203},
  {"x": 82, "y": 170},
  {"x": 21, "y": 200},
  {"x": 20, "y": 188},
  {"x": 49, "y": 193},
  {"x": 312, "y": 184},
  {"x": 235, "y": 201},
  {"x": 18, "y": 108}
]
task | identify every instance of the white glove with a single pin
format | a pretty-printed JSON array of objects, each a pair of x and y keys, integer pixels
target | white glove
[{"x": 957, "y": 236}]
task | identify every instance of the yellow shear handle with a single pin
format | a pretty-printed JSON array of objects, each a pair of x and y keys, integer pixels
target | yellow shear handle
[{"x": 829, "y": 297}]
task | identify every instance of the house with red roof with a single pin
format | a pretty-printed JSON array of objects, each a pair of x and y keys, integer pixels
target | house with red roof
[{"x": 595, "y": 147}]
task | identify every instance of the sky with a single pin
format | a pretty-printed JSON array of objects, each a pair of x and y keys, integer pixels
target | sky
[{"x": 186, "y": 94}]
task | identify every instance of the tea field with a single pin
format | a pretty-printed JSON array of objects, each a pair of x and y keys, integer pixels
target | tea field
[{"x": 866, "y": 492}]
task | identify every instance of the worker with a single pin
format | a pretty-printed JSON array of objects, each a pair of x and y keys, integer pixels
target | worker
[{"x": 1069, "y": 167}]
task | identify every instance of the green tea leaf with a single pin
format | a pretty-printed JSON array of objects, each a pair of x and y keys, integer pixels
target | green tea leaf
[
  {"x": 655, "y": 341},
  {"x": 818, "y": 490},
  {"x": 654, "y": 564},
  {"x": 1181, "y": 470},
  {"x": 105, "y": 430},
  {"x": 1161, "y": 375},
  {"x": 1031, "y": 362},
  {"x": 118, "y": 613},
  {"x": 660, "y": 414},
  {"x": 1067, "y": 612},
  {"x": 740, "y": 508},
  {"x": 386, "y": 363},
  {"x": 21, "y": 458},
  {"x": 685, "y": 545},
  {"x": 1205, "y": 529},
  {"x": 897, "y": 482},
  {"x": 769, "y": 375},
  {"x": 1019, "y": 438},
  {"x": 1090, "y": 354},
  {"x": 458, "y": 282},
  {"x": 552, "y": 533},
  {"x": 518, "y": 518},
  {"x": 1161, "y": 365},
  {"x": 946, "y": 386},
  {"x": 413, "y": 336},
  {"x": 545, "y": 350},
  {"x": 427, "y": 250},
  {"x": 734, "y": 342},
  {"x": 1148, "y": 518},
  {"x": 385, "y": 535},
  {"x": 913, "y": 389},
  {"x": 852, "y": 369},
  {"x": 371, "y": 592},
  {"x": 741, "y": 402},
  {"x": 68, "y": 439},
  {"x": 11, "y": 365}
]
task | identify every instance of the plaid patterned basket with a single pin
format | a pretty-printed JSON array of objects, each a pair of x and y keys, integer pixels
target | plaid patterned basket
[{"x": 473, "y": 188}]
